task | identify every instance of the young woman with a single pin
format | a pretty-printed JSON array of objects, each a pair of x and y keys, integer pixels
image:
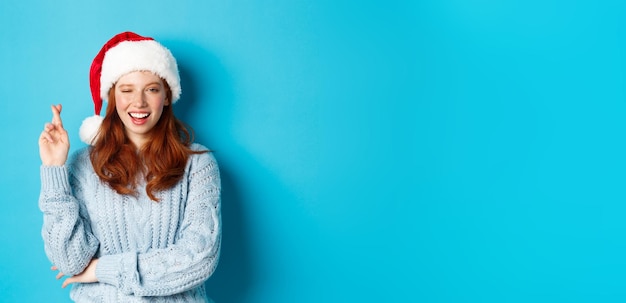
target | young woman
[{"x": 135, "y": 216}]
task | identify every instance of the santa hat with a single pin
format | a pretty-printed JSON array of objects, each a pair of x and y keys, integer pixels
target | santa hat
[{"x": 124, "y": 53}]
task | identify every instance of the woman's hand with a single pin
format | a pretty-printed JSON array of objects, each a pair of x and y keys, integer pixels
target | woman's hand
[
  {"x": 87, "y": 276},
  {"x": 54, "y": 144}
]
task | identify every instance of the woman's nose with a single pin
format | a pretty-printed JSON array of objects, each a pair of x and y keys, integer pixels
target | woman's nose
[{"x": 140, "y": 100}]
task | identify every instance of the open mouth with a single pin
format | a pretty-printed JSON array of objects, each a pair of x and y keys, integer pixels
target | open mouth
[
  {"x": 139, "y": 118},
  {"x": 139, "y": 115}
]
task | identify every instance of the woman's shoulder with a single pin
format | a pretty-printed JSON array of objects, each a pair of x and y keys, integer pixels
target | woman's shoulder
[
  {"x": 198, "y": 147},
  {"x": 205, "y": 157}
]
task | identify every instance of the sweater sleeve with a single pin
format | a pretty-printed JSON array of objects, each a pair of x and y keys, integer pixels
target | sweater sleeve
[
  {"x": 185, "y": 264},
  {"x": 68, "y": 241}
]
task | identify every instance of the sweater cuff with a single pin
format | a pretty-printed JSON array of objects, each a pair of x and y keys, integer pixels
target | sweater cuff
[
  {"x": 54, "y": 178},
  {"x": 109, "y": 269}
]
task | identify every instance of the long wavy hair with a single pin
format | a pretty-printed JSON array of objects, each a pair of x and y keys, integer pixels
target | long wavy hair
[{"x": 161, "y": 161}]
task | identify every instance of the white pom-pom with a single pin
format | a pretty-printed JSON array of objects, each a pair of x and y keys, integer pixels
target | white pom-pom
[{"x": 89, "y": 129}]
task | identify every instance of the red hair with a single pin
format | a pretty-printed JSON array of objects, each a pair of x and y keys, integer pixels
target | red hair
[{"x": 161, "y": 161}]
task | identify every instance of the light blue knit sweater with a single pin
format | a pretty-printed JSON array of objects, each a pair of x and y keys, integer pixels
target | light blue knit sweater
[{"x": 148, "y": 251}]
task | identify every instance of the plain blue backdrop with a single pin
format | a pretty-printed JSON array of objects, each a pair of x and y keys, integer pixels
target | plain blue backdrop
[{"x": 371, "y": 151}]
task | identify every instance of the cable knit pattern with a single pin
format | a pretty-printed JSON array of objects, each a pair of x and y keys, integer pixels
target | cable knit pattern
[{"x": 148, "y": 251}]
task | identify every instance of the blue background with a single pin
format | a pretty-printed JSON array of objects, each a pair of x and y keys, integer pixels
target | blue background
[{"x": 371, "y": 151}]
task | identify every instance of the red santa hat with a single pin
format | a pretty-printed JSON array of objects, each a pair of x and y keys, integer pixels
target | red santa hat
[{"x": 124, "y": 53}]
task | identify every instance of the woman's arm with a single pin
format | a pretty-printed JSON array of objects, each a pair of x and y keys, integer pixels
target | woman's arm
[
  {"x": 66, "y": 232},
  {"x": 68, "y": 241},
  {"x": 188, "y": 262}
]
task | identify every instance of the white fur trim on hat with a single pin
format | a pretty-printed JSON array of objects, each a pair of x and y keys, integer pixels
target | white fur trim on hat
[
  {"x": 89, "y": 129},
  {"x": 145, "y": 55}
]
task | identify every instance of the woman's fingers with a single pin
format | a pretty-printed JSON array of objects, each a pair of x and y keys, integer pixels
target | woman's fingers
[
  {"x": 54, "y": 141},
  {"x": 56, "y": 115},
  {"x": 46, "y": 133},
  {"x": 60, "y": 275},
  {"x": 45, "y": 137},
  {"x": 52, "y": 131},
  {"x": 68, "y": 281}
]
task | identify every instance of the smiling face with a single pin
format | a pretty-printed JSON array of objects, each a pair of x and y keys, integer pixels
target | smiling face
[{"x": 139, "y": 100}]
